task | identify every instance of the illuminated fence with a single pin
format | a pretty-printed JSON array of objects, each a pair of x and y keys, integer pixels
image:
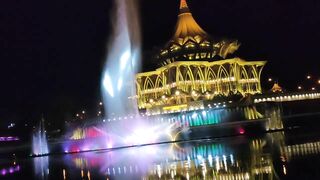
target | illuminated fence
[
  {"x": 214, "y": 113},
  {"x": 196, "y": 118},
  {"x": 208, "y": 116},
  {"x": 283, "y": 97},
  {"x": 297, "y": 150}
]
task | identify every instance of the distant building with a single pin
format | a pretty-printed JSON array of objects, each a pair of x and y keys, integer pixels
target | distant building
[
  {"x": 195, "y": 67},
  {"x": 276, "y": 88}
]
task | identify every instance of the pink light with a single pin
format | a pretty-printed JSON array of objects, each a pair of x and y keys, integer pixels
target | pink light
[
  {"x": 241, "y": 131},
  {"x": 3, "y": 171},
  {"x": 11, "y": 170}
]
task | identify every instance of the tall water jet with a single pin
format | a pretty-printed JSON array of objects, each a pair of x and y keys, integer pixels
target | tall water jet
[
  {"x": 123, "y": 60},
  {"x": 39, "y": 140},
  {"x": 118, "y": 81}
]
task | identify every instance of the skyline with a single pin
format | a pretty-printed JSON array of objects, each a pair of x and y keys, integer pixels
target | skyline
[{"x": 53, "y": 54}]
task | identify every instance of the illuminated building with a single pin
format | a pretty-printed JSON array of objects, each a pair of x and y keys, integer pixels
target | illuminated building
[
  {"x": 196, "y": 67},
  {"x": 276, "y": 88}
]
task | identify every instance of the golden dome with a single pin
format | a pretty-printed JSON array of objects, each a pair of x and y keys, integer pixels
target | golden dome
[{"x": 191, "y": 42}]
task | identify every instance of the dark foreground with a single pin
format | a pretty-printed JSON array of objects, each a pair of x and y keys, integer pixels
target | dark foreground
[{"x": 290, "y": 154}]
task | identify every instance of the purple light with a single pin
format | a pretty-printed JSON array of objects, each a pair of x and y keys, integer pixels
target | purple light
[
  {"x": 17, "y": 168},
  {"x": 11, "y": 170},
  {"x": 3, "y": 172},
  {"x": 9, "y": 138}
]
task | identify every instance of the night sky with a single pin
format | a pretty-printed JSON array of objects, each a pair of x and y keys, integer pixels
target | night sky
[{"x": 52, "y": 52}]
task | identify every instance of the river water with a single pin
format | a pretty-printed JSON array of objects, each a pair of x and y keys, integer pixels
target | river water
[{"x": 290, "y": 154}]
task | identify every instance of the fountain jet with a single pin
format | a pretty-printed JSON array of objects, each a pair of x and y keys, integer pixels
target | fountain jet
[
  {"x": 39, "y": 140},
  {"x": 123, "y": 60}
]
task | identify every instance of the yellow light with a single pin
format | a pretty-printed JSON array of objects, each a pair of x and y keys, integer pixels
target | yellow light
[
  {"x": 149, "y": 82},
  {"x": 177, "y": 107},
  {"x": 151, "y": 100},
  {"x": 64, "y": 174}
]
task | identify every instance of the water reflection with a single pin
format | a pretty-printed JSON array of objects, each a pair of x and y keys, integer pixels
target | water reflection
[
  {"x": 271, "y": 156},
  {"x": 206, "y": 160},
  {"x": 41, "y": 167}
]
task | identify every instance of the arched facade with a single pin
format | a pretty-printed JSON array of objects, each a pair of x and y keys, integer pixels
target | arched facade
[{"x": 184, "y": 81}]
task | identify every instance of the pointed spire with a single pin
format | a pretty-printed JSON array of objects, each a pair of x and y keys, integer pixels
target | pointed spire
[
  {"x": 184, "y": 7},
  {"x": 186, "y": 25}
]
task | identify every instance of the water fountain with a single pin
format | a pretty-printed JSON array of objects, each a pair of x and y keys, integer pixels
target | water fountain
[
  {"x": 118, "y": 82},
  {"x": 39, "y": 140},
  {"x": 123, "y": 60},
  {"x": 119, "y": 89}
]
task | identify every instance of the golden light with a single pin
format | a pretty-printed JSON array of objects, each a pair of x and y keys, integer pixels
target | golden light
[
  {"x": 319, "y": 81},
  {"x": 151, "y": 100},
  {"x": 194, "y": 78}
]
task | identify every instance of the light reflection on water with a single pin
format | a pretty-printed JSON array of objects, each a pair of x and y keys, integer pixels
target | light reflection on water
[
  {"x": 279, "y": 155},
  {"x": 267, "y": 157}
]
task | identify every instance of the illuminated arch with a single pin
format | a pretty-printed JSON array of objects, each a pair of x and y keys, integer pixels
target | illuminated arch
[
  {"x": 224, "y": 87},
  {"x": 244, "y": 75},
  {"x": 159, "y": 82},
  {"x": 148, "y": 84},
  {"x": 222, "y": 70},
  {"x": 198, "y": 76}
]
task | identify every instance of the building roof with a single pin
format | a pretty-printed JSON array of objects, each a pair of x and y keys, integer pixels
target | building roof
[
  {"x": 189, "y": 40},
  {"x": 276, "y": 87},
  {"x": 186, "y": 25}
]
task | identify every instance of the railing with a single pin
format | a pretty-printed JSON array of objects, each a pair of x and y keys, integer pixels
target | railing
[{"x": 283, "y": 97}]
